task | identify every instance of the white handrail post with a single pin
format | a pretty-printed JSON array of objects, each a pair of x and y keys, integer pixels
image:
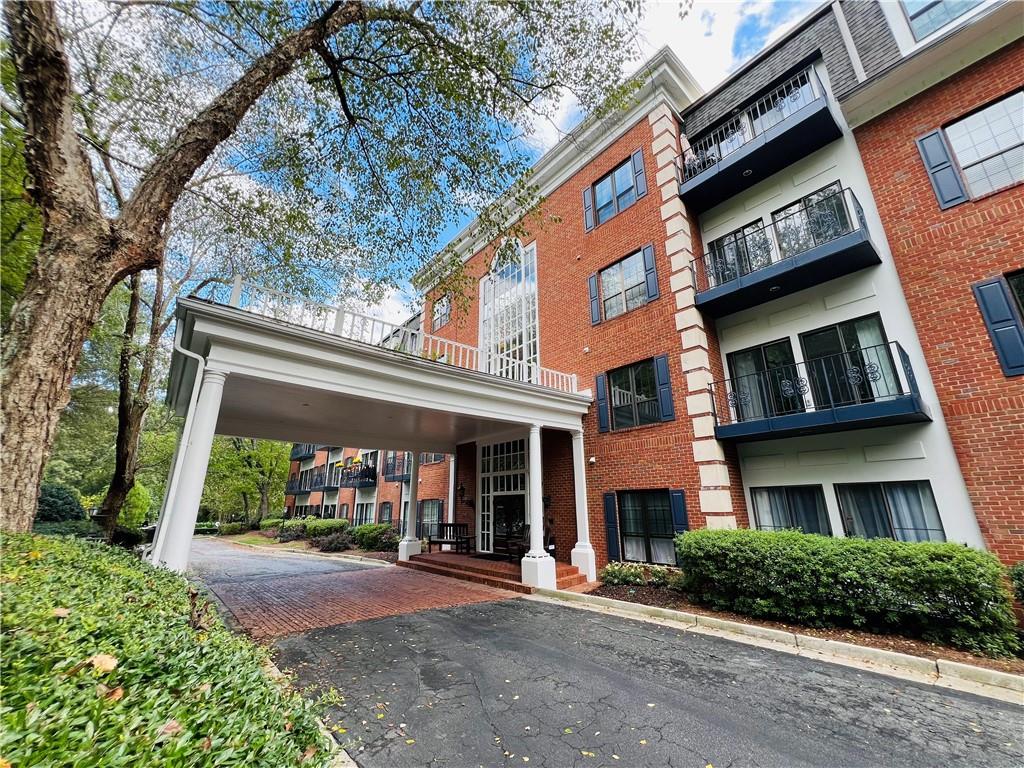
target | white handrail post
[
  {"x": 339, "y": 320},
  {"x": 236, "y": 291}
]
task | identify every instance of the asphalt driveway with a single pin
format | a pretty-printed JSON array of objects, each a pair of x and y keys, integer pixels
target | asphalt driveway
[{"x": 517, "y": 682}]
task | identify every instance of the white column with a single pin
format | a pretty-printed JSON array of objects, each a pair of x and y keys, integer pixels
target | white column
[
  {"x": 538, "y": 566},
  {"x": 582, "y": 554},
  {"x": 450, "y": 516},
  {"x": 410, "y": 545},
  {"x": 184, "y": 505}
]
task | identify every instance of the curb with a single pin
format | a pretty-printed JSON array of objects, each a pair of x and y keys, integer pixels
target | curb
[
  {"x": 324, "y": 555},
  {"x": 983, "y": 681},
  {"x": 341, "y": 758}
]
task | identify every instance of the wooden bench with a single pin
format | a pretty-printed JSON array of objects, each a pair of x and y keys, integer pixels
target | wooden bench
[{"x": 454, "y": 534}]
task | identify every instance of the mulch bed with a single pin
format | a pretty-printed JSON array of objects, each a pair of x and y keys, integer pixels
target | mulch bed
[{"x": 661, "y": 597}]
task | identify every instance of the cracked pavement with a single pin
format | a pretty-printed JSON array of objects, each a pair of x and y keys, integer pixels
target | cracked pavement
[{"x": 519, "y": 682}]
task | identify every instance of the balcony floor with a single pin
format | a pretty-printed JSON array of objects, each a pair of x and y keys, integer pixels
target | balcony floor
[{"x": 905, "y": 409}]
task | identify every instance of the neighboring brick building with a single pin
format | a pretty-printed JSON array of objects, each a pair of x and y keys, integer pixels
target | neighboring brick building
[
  {"x": 366, "y": 486},
  {"x": 961, "y": 263}
]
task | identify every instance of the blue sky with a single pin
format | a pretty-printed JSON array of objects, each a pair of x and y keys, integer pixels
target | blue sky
[{"x": 712, "y": 40}]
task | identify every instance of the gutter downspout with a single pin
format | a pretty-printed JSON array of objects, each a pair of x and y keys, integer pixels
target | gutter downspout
[{"x": 179, "y": 452}]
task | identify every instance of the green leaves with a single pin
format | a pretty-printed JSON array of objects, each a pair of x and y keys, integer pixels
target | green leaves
[
  {"x": 116, "y": 682},
  {"x": 943, "y": 592}
]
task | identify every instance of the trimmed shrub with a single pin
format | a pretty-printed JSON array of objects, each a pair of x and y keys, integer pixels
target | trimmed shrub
[
  {"x": 293, "y": 529},
  {"x": 338, "y": 541},
  {"x": 204, "y": 528},
  {"x": 1017, "y": 580},
  {"x": 317, "y": 528},
  {"x": 129, "y": 538},
  {"x": 58, "y": 503},
  {"x": 635, "y": 574},
  {"x": 232, "y": 529},
  {"x": 135, "y": 508},
  {"x": 376, "y": 537},
  {"x": 269, "y": 523},
  {"x": 139, "y": 663},
  {"x": 944, "y": 593},
  {"x": 83, "y": 529}
]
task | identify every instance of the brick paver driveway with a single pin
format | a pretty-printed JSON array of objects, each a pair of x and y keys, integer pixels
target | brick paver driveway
[
  {"x": 274, "y": 594},
  {"x": 512, "y": 682}
]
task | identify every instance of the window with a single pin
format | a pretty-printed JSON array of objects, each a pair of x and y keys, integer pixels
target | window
[
  {"x": 989, "y": 145},
  {"x": 763, "y": 381},
  {"x": 330, "y": 510},
  {"x": 431, "y": 458},
  {"x": 795, "y": 506},
  {"x": 344, "y": 511},
  {"x": 384, "y": 512},
  {"x": 509, "y": 319},
  {"x": 623, "y": 286},
  {"x": 813, "y": 220},
  {"x": 1016, "y": 282},
  {"x": 645, "y": 519},
  {"x": 849, "y": 363},
  {"x": 738, "y": 253},
  {"x": 634, "y": 394},
  {"x": 431, "y": 516},
  {"x": 927, "y": 16},
  {"x": 616, "y": 191},
  {"x": 904, "y": 511},
  {"x": 442, "y": 312},
  {"x": 364, "y": 513}
]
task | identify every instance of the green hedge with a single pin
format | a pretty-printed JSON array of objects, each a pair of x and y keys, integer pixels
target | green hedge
[
  {"x": 232, "y": 529},
  {"x": 269, "y": 523},
  {"x": 103, "y": 667},
  {"x": 204, "y": 528},
  {"x": 1017, "y": 580},
  {"x": 946, "y": 593},
  {"x": 315, "y": 527},
  {"x": 84, "y": 529},
  {"x": 376, "y": 537},
  {"x": 636, "y": 574}
]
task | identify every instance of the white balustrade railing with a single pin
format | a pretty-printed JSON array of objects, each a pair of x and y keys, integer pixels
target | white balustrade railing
[{"x": 362, "y": 328}]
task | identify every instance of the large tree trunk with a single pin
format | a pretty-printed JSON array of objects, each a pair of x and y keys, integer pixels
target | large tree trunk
[
  {"x": 52, "y": 320},
  {"x": 264, "y": 503},
  {"x": 83, "y": 253}
]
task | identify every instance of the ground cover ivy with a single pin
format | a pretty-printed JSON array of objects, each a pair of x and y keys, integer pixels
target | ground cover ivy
[{"x": 108, "y": 661}]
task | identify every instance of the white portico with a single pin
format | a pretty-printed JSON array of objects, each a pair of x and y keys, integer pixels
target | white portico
[{"x": 262, "y": 364}]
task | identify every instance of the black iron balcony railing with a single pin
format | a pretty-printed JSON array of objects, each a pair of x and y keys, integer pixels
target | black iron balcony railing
[
  {"x": 358, "y": 476},
  {"x": 712, "y": 147},
  {"x": 396, "y": 467},
  {"x": 293, "y": 486},
  {"x": 871, "y": 376},
  {"x": 759, "y": 247},
  {"x": 303, "y": 451}
]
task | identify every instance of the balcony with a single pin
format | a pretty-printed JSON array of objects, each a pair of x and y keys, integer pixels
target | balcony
[
  {"x": 817, "y": 242},
  {"x": 870, "y": 387},
  {"x": 396, "y": 468},
  {"x": 294, "y": 486},
  {"x": 789, "y": 123},
  {"x": 302, "y": 451},
  {"x": 358, "y": 476}
]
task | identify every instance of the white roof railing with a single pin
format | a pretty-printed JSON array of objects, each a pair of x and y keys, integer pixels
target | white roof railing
[{"x": 364, "y": 329}]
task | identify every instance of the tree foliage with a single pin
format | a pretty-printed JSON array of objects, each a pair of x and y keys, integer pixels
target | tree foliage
[{"x": 58, "y": 503}]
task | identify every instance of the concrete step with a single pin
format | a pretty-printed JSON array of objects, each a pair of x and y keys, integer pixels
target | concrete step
[{"x": 464, "y": 575}]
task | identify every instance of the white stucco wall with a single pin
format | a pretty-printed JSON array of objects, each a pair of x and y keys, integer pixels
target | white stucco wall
[{"x": 910, "y": 452}]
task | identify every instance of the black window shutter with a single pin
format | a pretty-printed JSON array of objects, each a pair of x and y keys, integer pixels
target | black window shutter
[
  {"x": 588, "y": 209},
  {"x": 638, "y": 173},
  {"x": 1003, "y": 323},
  {"x": 602, "y": 402},
  {"x": 595, "y": 301},
  {"x": 677, "y": 500},
  {"x": 611, "y": 527},
  {"x": 664, "y": 383},
  {"x": 650, "y": 272},
  {"x": 938, "y": 162},
  {"x": 440, "y": 511},
  {"x": 419, "y": 519}
]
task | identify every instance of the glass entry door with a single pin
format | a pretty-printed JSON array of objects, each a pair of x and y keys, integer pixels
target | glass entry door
[
  {"x": 849, "y": 363},
  {"x": 509, "y": 515}
]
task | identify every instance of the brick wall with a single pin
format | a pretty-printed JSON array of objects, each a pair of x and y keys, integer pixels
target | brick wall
[
  {"x": 939, "y": 255},
  {"x": 657, "y": 456}
]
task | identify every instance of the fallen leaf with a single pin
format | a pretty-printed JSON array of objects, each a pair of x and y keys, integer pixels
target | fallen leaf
[
  {"x": 103, "y": 662},
  {"x": 615, "y": 757},
  {"x": 115, "y": 695},
  {"x": 288, "y": 725},
  {"x": 567, "y": 730},
  {"x": 643, "y": 741},
  {"x": 310, "y": 751},
  {"x": 61, "y": 613},
  {"x": 207, "y": 743},
  {"x": 526, "y": 759},
  {"x": 170, "y": 728},
  {"x": 587, "y": 754},
  {"x": 410, "y": 741},
  {"x": 205, "y": 688}
]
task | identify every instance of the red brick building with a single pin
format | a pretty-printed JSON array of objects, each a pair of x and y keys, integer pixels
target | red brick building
[{"x": 961, "y": 261}]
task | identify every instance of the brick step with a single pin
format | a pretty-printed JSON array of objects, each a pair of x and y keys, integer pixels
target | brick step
[
  {"x": 464, "y": 575},
  {"x": 495, "y": 569},
  {"x": 571, "y": 580}
]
